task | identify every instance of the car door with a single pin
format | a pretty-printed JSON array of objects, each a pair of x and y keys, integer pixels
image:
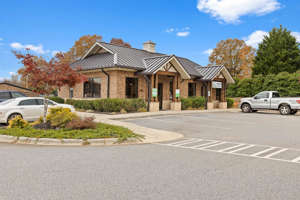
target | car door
[
  {"x": 261, "y": 101},
  {"x": 30, "y": 108}
]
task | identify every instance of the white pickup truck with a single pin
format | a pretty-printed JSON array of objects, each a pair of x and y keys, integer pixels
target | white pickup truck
[{"x": 270, "y": 100}]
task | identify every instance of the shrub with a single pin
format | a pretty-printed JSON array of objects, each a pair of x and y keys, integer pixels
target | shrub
[
  {"x": 287, "y": 84},
  {"x": 109, "y": 105},
  {"x": 230, "y": 102},
  {"x": 78, "y": 123},
  {"x": 60, "y": 117},
  {"x": 57, "y": 99},
  {"x": 18, "y": 122},
  {"x": 191, "y": 103}
]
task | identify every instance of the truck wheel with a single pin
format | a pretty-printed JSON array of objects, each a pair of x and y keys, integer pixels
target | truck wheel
[
  {"x": 246, "y": 108},
  {"x": 285, "y": 109},
  {"x": 293, "y": 112}
]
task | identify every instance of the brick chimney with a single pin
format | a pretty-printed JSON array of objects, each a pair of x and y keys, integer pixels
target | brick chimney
[{"x": 149, "y": 46}]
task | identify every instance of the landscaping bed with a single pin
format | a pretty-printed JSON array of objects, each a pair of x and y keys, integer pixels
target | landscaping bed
[{"x": 101, "y": 131}]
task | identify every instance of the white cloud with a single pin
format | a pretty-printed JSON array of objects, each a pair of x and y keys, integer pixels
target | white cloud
[
  {"x": 1, "y": 39},
  {"x": 230, "y": 11},
  {"x": 38, "y": 49},
  {"x": 257, "y": 37},
  {"x": 208, "y": 52},
  {"x": 170, "y": 30},
  {"x": 54, "y": 52},
  {"x": 2, "y": 79},
  {"x": 296, "y": 35},
  {"x": 183, "y": 34},
  {"x": 12, "y": 73}
]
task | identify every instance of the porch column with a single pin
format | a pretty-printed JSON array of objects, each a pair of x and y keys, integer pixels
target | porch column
[
  {"x": 154, "y": 105},
  {"x": 223, "y": 103},
  {"x": 210, "y": 104},
  {"x": 176, "y": 104}
]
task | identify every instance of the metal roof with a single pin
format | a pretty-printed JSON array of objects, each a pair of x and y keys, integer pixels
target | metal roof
[
  {"x": 114, "y": 55},
  {"x": 209, "y": 73}
]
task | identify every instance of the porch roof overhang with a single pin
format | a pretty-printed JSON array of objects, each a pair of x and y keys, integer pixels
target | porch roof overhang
[
  {"x": 155, "y": 64},
  {"x": 210, "y": 73}
]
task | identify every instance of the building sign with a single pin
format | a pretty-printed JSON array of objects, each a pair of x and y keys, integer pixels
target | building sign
[
  {"x": 177, "y": 93},
  {"x": 216, "y": 84},
  {"x": 208, "y": 93},
  {"x": 154, "y": 92}
]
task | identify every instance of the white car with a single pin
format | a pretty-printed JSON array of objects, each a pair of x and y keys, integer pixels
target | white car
[{"x": 29, "y": 108}]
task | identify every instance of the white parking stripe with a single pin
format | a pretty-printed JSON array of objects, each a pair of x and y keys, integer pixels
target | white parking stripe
[
  {"x": 275, "y": 153},
  {"x": 240, "y": 149},
  {"x": 296, "y": 159},
  {"x": 235, "y": 149},
  {"x": 190, "y": 142},
  {"x": 175, "y": 143},
  {"x": 213, "y": 145},
  {"x": 201, "y": 145},
  {"x": 264, "y": 151},
  {"x": 229, "y": 148}
]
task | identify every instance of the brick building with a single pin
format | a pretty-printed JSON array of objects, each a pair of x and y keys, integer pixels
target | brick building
[
  {"x": 6, "y": 85},
  {"x": 120, "y": 72}
]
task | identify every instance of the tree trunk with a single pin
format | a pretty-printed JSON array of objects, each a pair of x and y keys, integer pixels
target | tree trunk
[{"x": 45, "y": 109}]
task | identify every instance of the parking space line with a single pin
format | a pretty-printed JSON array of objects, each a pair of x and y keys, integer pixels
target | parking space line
[
  {"x": 229, "y": 148},
  {"x": 175, "y": 143},
  {"x": 201, "y": 145},
  {"x": 190, "y": 142},
  {"x": 213, "y": 145},
  {"x": 296, "y": 159},
  {"x": 264, "y": 151},
  {"x": 275, "y": 153},
  {"x": 240, "y": 149}
]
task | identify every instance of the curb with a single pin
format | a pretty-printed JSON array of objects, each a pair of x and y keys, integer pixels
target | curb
[{"x": 63, "y": 142}]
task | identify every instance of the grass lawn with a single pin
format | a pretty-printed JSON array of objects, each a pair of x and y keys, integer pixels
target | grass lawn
[{"x": 102, "y": 131}]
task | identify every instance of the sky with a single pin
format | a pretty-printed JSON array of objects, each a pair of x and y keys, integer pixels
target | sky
[{"x": 187, "y": 28}]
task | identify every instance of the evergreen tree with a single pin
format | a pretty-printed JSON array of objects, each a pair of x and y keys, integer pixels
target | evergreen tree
[{"x": 279, "y": 52}]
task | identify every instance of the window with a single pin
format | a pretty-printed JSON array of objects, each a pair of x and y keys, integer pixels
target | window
[
  {"x": 218, "y": 94},
  {"x": 131, "y": 88},
  {"x": 17, "y": 94},
  {"x": 4, "y": 95},
  {"x": 41, "y": 102},
  {"x": 262, "y": 95},
  {"x": 275, "y": 95},
  {"x": 29, "y": 102},
  {"x": 92, "y": 88},
  {"x": 192, "y": 89},
  {"x": 202, "y": 91},
  {"x": 71, "y": 93}
]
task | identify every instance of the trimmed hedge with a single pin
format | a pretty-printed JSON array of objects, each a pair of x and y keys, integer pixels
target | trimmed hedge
[
  {"x": 57, "y": 99},
  {"x": 230, "y": 102},
  {"x": 192, "y": 103},
  {"x": 287, "y": 84},
  {"x": 109, "y": 105}
]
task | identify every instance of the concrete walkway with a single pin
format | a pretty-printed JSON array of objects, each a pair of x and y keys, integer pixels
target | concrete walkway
[{"x": 151, "y": 135}]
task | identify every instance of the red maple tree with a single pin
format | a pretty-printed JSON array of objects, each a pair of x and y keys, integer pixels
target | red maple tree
[{"x": 48, "y": 76}]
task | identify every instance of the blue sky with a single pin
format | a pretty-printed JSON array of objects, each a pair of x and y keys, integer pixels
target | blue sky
[{"x": 187, "y": 28}]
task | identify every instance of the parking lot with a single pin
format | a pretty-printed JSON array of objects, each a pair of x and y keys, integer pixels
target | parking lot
[{"x": 258, "y": 135}]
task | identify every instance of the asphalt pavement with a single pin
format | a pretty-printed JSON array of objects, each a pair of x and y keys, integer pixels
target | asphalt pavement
[{"x": 174, "y": 170}]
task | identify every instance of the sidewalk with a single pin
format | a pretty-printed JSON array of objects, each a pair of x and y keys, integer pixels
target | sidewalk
[{"x": 151, "y": 135}]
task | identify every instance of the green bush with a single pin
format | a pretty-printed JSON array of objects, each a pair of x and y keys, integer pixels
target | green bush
[
  {"x": 109, "y": 105},
  {"x": 18, "y": 122},
  {"x": 57, "y": 99},
  {"x": 287, "y": 84},
  {"x": 192, "y": 102},
  {"x": 60, "y": 117},
  {"x": 101, "y": 131},
  {"x": 230, "y": 102}
]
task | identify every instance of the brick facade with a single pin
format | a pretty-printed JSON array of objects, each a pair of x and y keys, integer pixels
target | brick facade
[
  {"x": 12, "y": 87},
  {"x": 118, "y": 86}
]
